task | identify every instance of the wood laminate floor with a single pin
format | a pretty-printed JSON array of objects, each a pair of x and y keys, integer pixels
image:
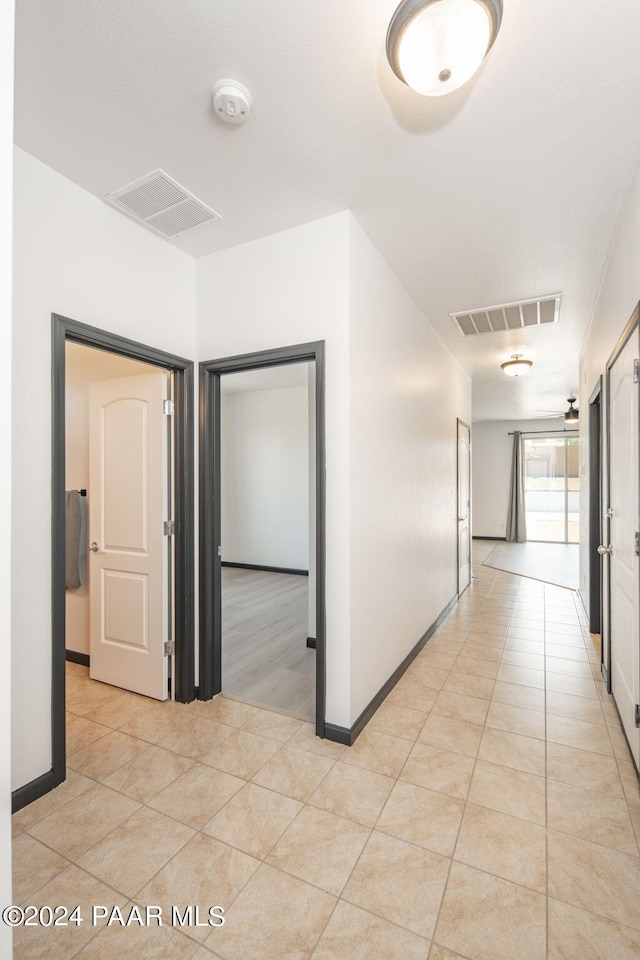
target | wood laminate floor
[
  {"x": 265, "y": 659},
  {"x": 556, "y": 563}
]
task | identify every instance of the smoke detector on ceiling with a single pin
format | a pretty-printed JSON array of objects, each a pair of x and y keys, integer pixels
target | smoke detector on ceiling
[{"x": 231, "y": 101}]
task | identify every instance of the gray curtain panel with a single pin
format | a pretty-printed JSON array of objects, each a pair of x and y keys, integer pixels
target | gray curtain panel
[
  {"x": 516, "y": 518},
  {"x": 72, "y": 540}
]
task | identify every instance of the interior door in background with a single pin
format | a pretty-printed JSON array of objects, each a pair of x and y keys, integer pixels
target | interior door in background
[
  {"x": 464, "y": 506},
  {"x": 624, "y": 572},
  {"x": 129, "y": 553}
]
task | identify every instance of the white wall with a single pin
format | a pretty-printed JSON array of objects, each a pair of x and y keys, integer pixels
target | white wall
[
  {"x": 75, "y": 256},
  {"x": 406, "y": 391},
  {"x": 84, "y": 366},
  {"x": 6, "y": 157},
  {"x": 393, "y": 395},
  {"x": 619, "y": 295},
  {"x": 399, "y": 395},
  {"x": 265, "y": 477},
  {"x": 285, "y": 289},
  {"x": 491, "y": 455}
]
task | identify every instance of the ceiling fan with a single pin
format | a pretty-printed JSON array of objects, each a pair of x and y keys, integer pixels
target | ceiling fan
[{"x": 571, "y": 416}]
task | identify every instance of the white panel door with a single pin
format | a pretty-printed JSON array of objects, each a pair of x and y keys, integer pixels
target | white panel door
[
  {"x": 128, "y": 504},
  {"x": 464, "y": 507},
  {"x": 624, "y": 564}
]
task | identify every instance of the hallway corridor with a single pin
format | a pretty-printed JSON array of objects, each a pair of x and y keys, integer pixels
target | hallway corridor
[{"x": 489, "y": 811}]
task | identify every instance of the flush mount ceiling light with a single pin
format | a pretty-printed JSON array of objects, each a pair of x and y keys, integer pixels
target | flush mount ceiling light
[
  {"x": 572, "y": 415},
  {"x": 435, "y": 46},
  {"x": 516, "y": 367}
]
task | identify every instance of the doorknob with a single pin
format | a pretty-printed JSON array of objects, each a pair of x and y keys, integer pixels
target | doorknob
[
  {"x": 605, "y": 551},
  {"x": 93, "y": 547}
]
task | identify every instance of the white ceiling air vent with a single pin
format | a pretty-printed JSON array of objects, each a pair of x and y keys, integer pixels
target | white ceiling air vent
[
  {"x": 508, "y": 316},
  {"x": 161, "y": 204}
]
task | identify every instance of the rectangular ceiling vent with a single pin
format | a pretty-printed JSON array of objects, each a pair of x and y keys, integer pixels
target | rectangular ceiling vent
[
  {"x": 508, "y": 316},
  {"x": 161, "y": 204}
]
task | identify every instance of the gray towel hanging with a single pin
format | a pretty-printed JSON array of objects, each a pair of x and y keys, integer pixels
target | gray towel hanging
[{"x": 72, "y": 540}]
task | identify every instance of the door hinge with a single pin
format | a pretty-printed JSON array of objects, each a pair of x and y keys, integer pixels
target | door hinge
[
  {"x": 169, "y": 528},
  {"x": 638, "y": 544},
  {"x": 637, "y": 714},
  {"x": 636, "y": 371},
  {"x": 167, "y": 407},
  {"x": 169, "y": 648}
]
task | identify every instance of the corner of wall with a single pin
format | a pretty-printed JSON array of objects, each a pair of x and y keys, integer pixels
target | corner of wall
[
  {"x": 287, "y": 288},
  {"x": 6, "y": 164},
  {"x": 72, "y": 255},
  {"x": 406, "y": 390}
]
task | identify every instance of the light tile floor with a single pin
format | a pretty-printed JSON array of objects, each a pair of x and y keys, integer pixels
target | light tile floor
[{"x": 489, "y": 811}]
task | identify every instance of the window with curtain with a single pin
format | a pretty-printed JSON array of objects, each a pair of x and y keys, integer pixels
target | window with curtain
[{"x": 552, "y": 488}]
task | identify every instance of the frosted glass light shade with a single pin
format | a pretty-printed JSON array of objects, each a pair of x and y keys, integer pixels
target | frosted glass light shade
[
  {"x": 517, "y": 366},
  {"x": 436, "y": 46}
]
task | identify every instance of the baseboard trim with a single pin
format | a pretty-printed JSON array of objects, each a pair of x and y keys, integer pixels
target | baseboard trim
[
  {"x": 46, "y": 782},
  {"x": 261, "y": 566},
  {"x": 338, "y": 734},
  {"x": 349, "y": 735},
  {"x": 196, "y": 693},
  {"x": 33, "y": 791},
  {"x": 503, "y": 539},
  {"x": 72, "y": 656},
  {"x": 311, "y": 643}
]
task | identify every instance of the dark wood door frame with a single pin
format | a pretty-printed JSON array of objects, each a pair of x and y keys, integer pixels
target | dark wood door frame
[
  {"x": 595, "y": 509},
  {"x": 632, "y": 327},
  {"x": 210, "y": 511},
  {"x": 461, "y": 423},
  {"x": 63, "y": 329}
]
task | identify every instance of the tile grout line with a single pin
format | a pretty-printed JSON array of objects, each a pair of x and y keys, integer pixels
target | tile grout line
[
  {"x": 450, "y": 858},
  {"x": 455, "y": 844},
  {"x": 413, "y": 741},
  {"x": 196, "y": 831}
]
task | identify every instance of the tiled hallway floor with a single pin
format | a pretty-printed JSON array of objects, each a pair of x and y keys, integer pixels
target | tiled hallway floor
[{"x": 489, "y": 811}]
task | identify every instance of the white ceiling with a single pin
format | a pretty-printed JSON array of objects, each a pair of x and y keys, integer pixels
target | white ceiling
[{"x": 508, "y": 189}]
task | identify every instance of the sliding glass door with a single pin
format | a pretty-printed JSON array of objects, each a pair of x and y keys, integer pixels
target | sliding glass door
[{"x": 552, "y": 488}]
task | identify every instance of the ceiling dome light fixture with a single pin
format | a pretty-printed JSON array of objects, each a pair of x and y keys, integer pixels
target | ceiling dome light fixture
[
  {"x": 516, "y": 367},
  {"x": 572, "y": 415},
  {"x": 435, "y": 46}
]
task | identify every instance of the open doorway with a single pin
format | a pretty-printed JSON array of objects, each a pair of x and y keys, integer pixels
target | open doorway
[
  {"x": 176, "y": 614},
  {"x": 595, "y": 509},
  {"x": 118, "y": 471},
  {"x": 267, "y": 504},
  {"x": 464, "y": 506},
  {"x": 277, "y": 561}
]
